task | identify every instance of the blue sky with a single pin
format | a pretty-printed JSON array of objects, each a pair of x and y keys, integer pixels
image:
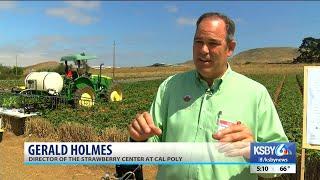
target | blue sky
[{"x": 145, "y": 32}]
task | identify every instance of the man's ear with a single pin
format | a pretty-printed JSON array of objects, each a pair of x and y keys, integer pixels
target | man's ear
[{"x": 231, "y": 46}]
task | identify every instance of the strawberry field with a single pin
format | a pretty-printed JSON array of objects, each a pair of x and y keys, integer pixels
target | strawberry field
[
  {"x": 138, "y": 97},
  {"x": 285, "y": 90}
]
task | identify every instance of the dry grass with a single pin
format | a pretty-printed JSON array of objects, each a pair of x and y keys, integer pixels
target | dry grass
[
  {"x": 75, "y": 132},
  {"x": 143, "y": 72},
  {"x": 13, "y": 124},
  {"x": 40, "y": 127},
  {"x": 114, "y": 135},
  {"x": 268, "y": 68},
  {"x": 162, "y": 72},
  {"x": 278, "y": 91},
  {"x": 156, "y": 72}
]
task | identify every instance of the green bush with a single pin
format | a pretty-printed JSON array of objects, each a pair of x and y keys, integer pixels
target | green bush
[{"x": 10, "y": 72}]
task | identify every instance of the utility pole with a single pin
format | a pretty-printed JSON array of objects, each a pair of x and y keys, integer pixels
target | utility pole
[{"x": 114, "y": 59}]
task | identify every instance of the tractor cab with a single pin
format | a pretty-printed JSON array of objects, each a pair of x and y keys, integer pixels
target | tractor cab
[{"x": 81, "y": 62}]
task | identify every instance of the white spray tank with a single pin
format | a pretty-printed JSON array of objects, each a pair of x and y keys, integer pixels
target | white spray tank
[{"x": 50, "y": 82}]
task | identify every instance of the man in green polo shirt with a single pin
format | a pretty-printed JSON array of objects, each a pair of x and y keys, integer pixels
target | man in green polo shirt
[{"x": 210, "y": 104}]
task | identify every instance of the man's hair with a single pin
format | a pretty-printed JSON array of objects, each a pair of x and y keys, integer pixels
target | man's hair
[{"x": 230, "y": 26}]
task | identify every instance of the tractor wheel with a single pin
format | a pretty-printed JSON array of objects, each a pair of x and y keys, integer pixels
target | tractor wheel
[
  {"x": 114, "y": 93},
  {"x": 84, "y": 97}
]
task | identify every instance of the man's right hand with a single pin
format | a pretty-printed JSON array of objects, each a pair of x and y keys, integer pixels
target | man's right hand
[{"x": 142, "y": 127}]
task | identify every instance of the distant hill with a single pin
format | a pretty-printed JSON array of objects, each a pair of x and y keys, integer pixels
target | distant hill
[
  {"x": 263, "y": 55},
  {"x": 41, "y": 66},
  {"x": 266, "y": 55}
]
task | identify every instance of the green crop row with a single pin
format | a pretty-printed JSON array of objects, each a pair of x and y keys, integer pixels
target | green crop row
[
  {"x": 138, "y": 97},
  {"x": 290, "y": 109},
  {"x": 271, "y": 82},
  {"x": 7, "y": 100},
  {"x": 8, "y": 84}
]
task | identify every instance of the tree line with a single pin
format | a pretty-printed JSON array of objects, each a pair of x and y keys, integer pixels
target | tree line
[
  {"x": 10, "y": 72},
  {"x": 309, "y": 51}
]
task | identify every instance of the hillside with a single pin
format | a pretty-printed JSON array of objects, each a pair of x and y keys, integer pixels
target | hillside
[
  {"x": 266, "y": 55},
  {"x": 41, "y": 66},
  {"x": 263, "y": 55},
  {"x": 253, "y": 56}
]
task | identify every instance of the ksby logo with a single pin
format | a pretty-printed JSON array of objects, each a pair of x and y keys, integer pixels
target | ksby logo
[
  {"x": 282, "y": 150},
  {"x": 279, "y": 150},
  {"x": 273, "y": 152}
]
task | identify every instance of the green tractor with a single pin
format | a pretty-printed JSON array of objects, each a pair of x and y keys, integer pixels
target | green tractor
[
  {"x": 82, "y": 88},
  {"x": 76, "y": 86}
]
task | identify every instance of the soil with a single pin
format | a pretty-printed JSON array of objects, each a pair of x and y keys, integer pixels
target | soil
[{"x": 12, "y": 167}]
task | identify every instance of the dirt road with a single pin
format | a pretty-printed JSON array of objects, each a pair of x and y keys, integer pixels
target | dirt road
[{"x": 12, "y": 167}]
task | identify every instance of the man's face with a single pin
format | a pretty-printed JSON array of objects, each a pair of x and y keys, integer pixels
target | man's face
[{"x": 210, "y": 48}]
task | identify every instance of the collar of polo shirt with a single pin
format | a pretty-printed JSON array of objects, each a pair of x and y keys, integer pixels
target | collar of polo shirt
[{"x": 216, "y": 83}]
